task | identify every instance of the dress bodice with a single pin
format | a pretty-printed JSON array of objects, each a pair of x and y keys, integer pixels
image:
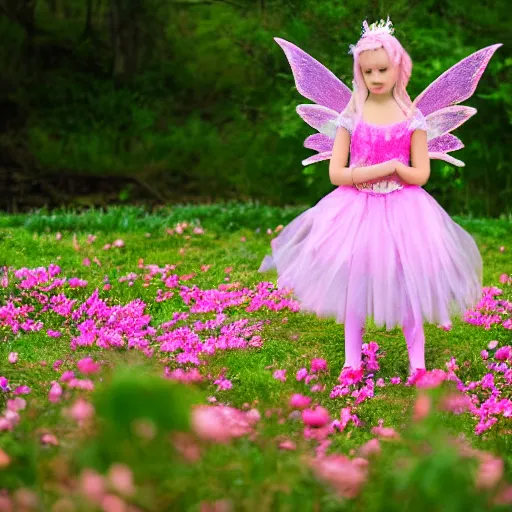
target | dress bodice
[{"x": 373, "y": 144}]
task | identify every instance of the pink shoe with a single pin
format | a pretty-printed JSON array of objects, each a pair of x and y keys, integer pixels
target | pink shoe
[
  {"x": 415, "y": 374},
  {"x": 350, "y": 375},
  {"x": 413, "y": 371}
]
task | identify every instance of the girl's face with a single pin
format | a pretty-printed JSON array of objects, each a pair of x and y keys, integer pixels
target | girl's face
[{"x": 379, "y": 74}]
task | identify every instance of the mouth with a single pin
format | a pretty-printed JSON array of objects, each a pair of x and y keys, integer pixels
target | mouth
[{"x": 377, "y": 87}]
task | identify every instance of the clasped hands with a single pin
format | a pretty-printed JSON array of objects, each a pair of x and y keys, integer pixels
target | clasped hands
[{"x": 395, "y": 166}]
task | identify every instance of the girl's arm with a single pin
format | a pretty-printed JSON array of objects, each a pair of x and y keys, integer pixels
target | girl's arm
[
  {"x": 339, "y": 174},
  {"x": 419, "y": 172}
]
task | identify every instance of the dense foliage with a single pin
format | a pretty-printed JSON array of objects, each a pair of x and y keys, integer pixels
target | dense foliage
[{"x": 194, "y": 100}]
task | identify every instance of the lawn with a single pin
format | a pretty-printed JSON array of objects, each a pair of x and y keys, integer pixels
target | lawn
[{"x": 146, "y": 365}]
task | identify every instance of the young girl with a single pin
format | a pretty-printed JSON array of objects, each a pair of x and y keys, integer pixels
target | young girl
[{"x": 379, "y": 246}]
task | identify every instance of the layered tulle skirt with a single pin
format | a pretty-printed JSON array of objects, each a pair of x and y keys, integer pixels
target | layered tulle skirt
[{"x": 383, "y": 256}]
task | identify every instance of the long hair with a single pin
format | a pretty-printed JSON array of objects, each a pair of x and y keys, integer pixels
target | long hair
[{"x": 398, "y": 57}]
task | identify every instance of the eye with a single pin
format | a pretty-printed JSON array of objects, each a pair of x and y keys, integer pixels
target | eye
[
  {"x": 368, "y": 71},
  {"x": 383, "y": 69}
]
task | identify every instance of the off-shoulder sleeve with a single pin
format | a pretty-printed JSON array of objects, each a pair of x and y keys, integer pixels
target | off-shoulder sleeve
[
  {"x": 418, "y": 121},
  {"x": 345, "y": 120}
]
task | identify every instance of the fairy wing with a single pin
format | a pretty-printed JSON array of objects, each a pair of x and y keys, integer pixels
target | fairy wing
[
  {"x": 316, "y": 83},
  {"x": 437, "y": 103}
]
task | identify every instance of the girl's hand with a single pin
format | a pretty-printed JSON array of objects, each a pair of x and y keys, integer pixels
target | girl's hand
[
  {"x": 393, "y": 166},
  {"x": 398, "y": 166}
]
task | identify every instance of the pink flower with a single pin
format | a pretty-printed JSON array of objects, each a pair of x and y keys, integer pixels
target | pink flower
[
  {"x": 301, "y": 374},
  {"x": 504, "y": 278},
  {"x": 421, "y": 407},
  {"x": 430, "y": 379},
  {"x": 55, "y": 392},
  {"x": 489, "y": 473},
  {"x": 385, "y": 432},
  {"x": 380, "y": 383},
  {"x": 395, "y": 380},
  {"x": 371, "y": 447},
  {"x": 75, "y": 282},
  {"x": 484, "y": 355},
  {"x": 81, "y": 410},
  {"x": 456, "y": 403},
  {"x": 280, "y": 375},
  {"x": 53, "y": 334},
  {"x": 503, "y": 353},
  {"x": 22, "y": 390},
  {"x": 13, "y": 357},
  {"x": 492, "y": 344},
  {"x": 505, "y": 496},
  {"x": 16, "y": 404},
  {"x": 317, "y": 417},
  {"x": 92, "y": 486},
  {"x": 113, "y": 503},
  {"x": 5, "y": 460},
  {"x": 4, "y": 384},
  {"x": 118, "y": 243},
  {"x": 351, "y": 376},
  {"x": 58, "y": 236},
  {"x": 502, "y": 248},
  {"x": 300, "y": 401},
  {"x": 87, "y": 366},
  {"x": 318, "y": 365},
  {"x": 25, "y": 499},
  {"x": 120, "y": 477},
  {"x": 287, "y": 444},
  {"x": 451, "y": 365},
  {"x": 219, "y": 423},
  {"x": 345, "y": 476},
  {"x": 253, "y": 416},
  {"x": 223, "y": 384},
  {"x": 67, "y": 375},
  {"x": 49, "y": 439},
  {"x": 86, "y": 262},
  {"x": 85, "y": 384}
]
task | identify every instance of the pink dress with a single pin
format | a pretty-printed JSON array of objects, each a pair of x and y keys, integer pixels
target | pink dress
[{"x": 385, "y": 250}]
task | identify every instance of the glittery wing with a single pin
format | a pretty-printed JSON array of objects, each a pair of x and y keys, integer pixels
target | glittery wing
[
  {"x": 437, "y": 102},
  {"x": 316, "y": 83}
]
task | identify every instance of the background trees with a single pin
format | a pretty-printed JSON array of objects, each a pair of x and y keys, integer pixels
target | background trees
[{"x": 106, "y": 100}]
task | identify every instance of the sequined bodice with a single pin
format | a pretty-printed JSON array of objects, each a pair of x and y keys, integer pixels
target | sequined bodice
[{"x": 373, "y": 144}]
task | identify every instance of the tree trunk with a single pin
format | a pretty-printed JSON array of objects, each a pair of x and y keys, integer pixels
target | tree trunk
[
  {"x": 88, "y": 19},
  {"x": 118, "y": 66},
  {"x": 124, "y": 29}
]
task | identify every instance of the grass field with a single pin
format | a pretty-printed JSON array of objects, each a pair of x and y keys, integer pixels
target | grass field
[{"x": 80, "y": 438}]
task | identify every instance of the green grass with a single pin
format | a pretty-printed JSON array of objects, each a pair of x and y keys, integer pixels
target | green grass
[{"x": 250, "y": 471}]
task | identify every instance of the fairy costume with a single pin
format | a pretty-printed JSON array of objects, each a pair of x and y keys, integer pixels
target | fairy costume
[{"x": 383, "y": 249}]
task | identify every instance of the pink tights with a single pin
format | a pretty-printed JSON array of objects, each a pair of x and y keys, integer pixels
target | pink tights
[{"x": 413, "y": 333}]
